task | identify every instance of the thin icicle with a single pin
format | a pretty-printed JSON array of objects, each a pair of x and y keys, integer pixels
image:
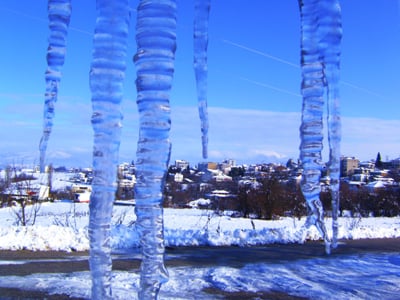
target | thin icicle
[
  {"x": 330, "y": 32},
  {"x": 59, "y": 13},
  {"x": 200, "y": 35},
  {"x": 106, "y": 83},
  {"x": 312, "y": 89},
  {"x": 154, "y": 60}
]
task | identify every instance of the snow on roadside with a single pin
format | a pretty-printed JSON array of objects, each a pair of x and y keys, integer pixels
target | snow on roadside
[
  {"x": 62, "y": 226},
  {"x": 43, "y": 238}
]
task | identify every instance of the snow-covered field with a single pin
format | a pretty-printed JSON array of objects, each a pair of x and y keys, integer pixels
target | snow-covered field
[{"x": 63, "y": 226}]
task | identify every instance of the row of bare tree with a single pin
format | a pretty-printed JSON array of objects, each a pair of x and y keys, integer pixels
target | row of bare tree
[{"x": 272, "y": 197}]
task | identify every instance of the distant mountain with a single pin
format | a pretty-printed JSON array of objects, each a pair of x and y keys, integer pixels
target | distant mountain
[{"x": 57, "y": 158}]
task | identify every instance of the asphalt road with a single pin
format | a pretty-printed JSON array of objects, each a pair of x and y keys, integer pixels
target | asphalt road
[{"x": 61, "y": 262}]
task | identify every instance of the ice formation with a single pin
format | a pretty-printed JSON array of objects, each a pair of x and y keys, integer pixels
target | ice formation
[
  {"x": 331, "y": 35},
  {"x": 320, "y": 54},
  {"x": 59, "y": 13},
  {"x": 200, "y": 38},
  {"x": 154, "y": 60},
  {"x": 106, "y": 83}
]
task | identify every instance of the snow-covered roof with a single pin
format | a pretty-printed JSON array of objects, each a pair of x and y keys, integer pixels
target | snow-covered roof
[{"x": 376, "y": 184}]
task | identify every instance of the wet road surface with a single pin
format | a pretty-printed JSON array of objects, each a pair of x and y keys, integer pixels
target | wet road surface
[{"x": 24, "y": 263}]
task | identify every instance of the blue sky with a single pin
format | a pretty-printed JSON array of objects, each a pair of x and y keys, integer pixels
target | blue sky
[{"x": 254, "y": 83}]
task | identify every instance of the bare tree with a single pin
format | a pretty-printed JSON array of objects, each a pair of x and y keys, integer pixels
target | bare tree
[
  {"x": 26, "y": 202},
  {"x": 50, "y": 179}
]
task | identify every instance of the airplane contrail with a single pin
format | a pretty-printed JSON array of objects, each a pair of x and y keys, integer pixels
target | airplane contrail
[
  {"x": 46, "y": 20},
  {"x": 270, "y": 86},
  {"x": 261, "y": 53},
  {"x": 362, "y": 89},
  {"x": 283, "y": 61},
  {"x": 259, "y": 83},
  {"x": 234, "y": 44}
]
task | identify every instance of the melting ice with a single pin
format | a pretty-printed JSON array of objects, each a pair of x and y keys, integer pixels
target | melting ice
[
  {"x": 320, "y": 53},
  {"x": 106, "y": 82},
  {"x": 200, "y": 37},
  {"x": 59, "y": 13},
  {"x": 154, "y": 60}
]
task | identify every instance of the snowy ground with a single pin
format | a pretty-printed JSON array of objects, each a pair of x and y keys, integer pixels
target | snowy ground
[{"x": 63, "y": 226}]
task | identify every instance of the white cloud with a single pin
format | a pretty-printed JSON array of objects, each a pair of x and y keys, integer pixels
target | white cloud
[
  {"x": 365, "y": 137},
  {"x": 238, "y": 134},
  {"x": 261, "y": 135},
  {"x": 267, "y": 153},
  {"x": 245, "y": 135}
]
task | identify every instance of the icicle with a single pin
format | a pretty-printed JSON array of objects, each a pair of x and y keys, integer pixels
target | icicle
[
  {"x": 330, "y": 31},
  {"x": 154, "y": 60},
  {"x": 202, "y": 10},
  {"x": 106, "y": 82},
  {"x": 321, "y": 37},
  {"x": 311, "y": 135},
  {"x": 59, "y": 12}
]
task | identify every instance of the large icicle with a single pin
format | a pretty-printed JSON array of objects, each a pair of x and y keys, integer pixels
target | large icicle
[
  {"x": 106, "y": 82},
  {"x": 330, "y": 32},
  {"x": 59, "y": 13},
  {"x": 312, "y": 89},
  {"x": 200, "y": 35},
  {"x": 156, "y": 44},
  {"x": 321, "y": 37}
]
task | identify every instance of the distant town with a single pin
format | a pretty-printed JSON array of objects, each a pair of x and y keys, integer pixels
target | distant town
[{"x": 264, "y": 190}]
